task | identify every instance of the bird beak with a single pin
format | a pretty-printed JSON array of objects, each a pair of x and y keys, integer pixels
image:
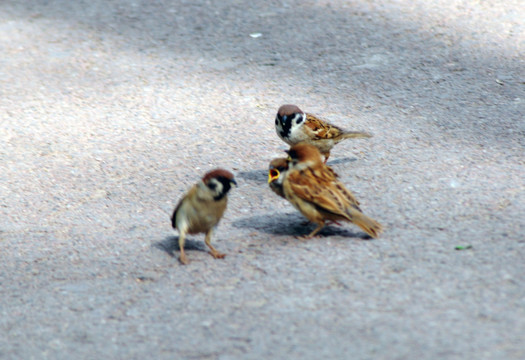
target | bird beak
[
  {"x": 273, "y": 174},
  {"x": 232, "y": 181}
]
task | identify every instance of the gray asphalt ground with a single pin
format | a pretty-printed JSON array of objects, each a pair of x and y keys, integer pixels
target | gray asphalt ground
[{"x": 111, "y": 109}]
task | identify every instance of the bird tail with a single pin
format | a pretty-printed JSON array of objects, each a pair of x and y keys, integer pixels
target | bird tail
[
  {"x": 355, "y": 135},
  {"x": 366, "y": 223}
]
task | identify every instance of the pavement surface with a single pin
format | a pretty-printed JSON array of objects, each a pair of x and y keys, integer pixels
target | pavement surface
[{"x": 110, "y": 110}]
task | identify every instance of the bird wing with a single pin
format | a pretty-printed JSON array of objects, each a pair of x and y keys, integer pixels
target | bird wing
[
  {"x": 184, "y": 199},
  {"x": 331, "y": 176},
  {"x": 322, "y": 189},
  {"x": 320, "y": 129}
]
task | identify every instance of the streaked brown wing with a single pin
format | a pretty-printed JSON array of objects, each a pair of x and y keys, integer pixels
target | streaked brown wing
[
  {"x": 330, "y": 176},
  {"x": 321, "y": 129},
  {"x": 320, "y": 192}
]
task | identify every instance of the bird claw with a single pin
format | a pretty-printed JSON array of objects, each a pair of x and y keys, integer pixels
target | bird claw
[
  {"x": 217, "y": 255},
  {"x": 184, "y": 260}
]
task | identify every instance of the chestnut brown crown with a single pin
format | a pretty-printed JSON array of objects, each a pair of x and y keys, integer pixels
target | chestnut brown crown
[
  {"x": 217, "y": 173},
  {"x": 304, "y": 152},
  {"x": 219, "y": 181},
  {"x": 288, "y": 109}
]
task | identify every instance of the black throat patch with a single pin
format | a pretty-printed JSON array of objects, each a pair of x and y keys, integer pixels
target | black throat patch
[{"x": 286, "y": 126}]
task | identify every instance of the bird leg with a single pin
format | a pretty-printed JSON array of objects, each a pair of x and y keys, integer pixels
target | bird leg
[
  {"x": 313, "y": 233},
  {"x": 183, "y": 259},
  {"x": 335, "y": 222},
  {"x": 326, "y": 156},
  {"x": 213, "y": 251}
]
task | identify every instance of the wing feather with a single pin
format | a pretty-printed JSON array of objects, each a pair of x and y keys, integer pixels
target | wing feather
[
  {"x": 321, "y": 129},
  {"x": 322, "y": 189}
]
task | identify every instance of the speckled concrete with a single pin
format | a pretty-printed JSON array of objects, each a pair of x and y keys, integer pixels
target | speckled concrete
[{"x": 111, "y": 109}]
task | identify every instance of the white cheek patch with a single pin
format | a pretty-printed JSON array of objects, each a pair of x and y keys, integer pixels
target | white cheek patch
[
  {"x": 298, "y": 119},
  {"x": 218, "y": 187},
  {"x": 297, "y": 124},
  {"x": 296, "y": 132}
]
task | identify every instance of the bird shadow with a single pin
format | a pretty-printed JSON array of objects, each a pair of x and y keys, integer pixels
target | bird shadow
[
  {"x": 340, "y": 161},
  {"x": 261, "y": 176},
  {"x": 292, "y": 224},
  {"x": 170, "y": 245}
]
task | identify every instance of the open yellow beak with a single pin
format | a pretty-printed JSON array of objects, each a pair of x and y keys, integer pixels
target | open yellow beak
[{"x": 273, "y": 174}]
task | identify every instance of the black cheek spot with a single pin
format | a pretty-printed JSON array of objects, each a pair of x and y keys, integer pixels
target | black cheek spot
[
  {"x": 212, "y": 185},
  {"x": 300, "y": 120},
  {"x": 226, "y": 186}
]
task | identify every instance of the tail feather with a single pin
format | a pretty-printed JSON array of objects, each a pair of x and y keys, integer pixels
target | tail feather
[
  {"x": 366, "y": 223},
  {"x": 355, "y": 135}
]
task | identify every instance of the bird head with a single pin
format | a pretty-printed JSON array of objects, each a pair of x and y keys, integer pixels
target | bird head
[
  {"x": 276, "y": 174},
  {"x": 288, "y": 117},
  {"x": 303, "y": 155},
  {"x": 219, "y": 181},
  {"x": 277, "y": 169}
]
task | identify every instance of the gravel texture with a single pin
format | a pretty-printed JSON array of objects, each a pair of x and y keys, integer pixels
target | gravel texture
[{"x": 110, "y": 110}]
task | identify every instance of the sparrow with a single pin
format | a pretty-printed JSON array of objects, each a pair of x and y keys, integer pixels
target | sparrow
[
  {"x": 200, "y": 210},
  {"x": 314, "y": 189},
  {"x": 276, "y": 173},
  {"x": 294, "y": 126}
]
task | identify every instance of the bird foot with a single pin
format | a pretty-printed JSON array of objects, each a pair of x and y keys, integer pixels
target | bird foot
[
  {"x": 304, "y": 237},
  {"x": 183, "y": 259},
  {"x": 217, "y": 255},
  {"x": 312, "y": 234}
]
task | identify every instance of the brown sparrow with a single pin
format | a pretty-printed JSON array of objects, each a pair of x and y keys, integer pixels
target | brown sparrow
[
  {"x": 200, "y": 210},
  {"x": 294, "y": 126},
  {"x": 313, "y": 188},
  {"x": 276, "y": 173}
]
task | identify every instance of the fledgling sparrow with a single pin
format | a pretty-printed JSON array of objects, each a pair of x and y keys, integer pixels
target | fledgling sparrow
[
  {"x": 313, "y": 188},
  {"x": 200, "y": 210},
  {"x": 294, "y": 126},
  {"x": 276, "y": 172}
]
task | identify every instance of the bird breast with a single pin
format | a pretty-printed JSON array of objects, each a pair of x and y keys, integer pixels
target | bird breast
[
  {"x": 200, "y": 216},
  {"x": 298, "y": 134}
]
